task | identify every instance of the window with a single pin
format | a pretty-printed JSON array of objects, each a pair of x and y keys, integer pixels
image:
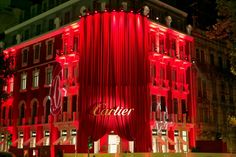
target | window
[
  {"x": 161, "y": 44},
  {"x": 202, "y": 57},
  {"x": 26, "y": 34},
  {"x": 21, "y": 140},
  {"x": 228, "y": 64},
  {"x": 35, "y": 79},
  {"x": 11, "y": 82},
  {"x": 33, "y": 139},
  {"x": 48, "y": 74},
  {"x": 199, "y": 82},
  {"x": 163, "y": 104},
  {"x": 63, "y": 136},
  {"x": 34, "y": 112},
  {"x": 49, "y": 48},
  {"x": 73, "y": 136},
  {"x": 24, "y": 55},
  {"x": 23, "y": 81},
  {"x": 175, "y": 101},
  {"x": 220, "y": 62},
  {"x": 46, "y": 142},
  {"x": 47, "y": 110},
  {"x": 4, "y": 112},
  {"x": 67, "y": 17},
  {"x": 173, "y": 47},
  {"x": 197, "y": 55},
  {"x": 204, "y": 88},
  {"x": 153, "y": 42},
  {"x": 211, "y": 59},
  {"x": 185, "y": 138},
  {"x": 74, "y": 102},
  {"x": 184, "y": 106},
  {"x": 174, "y": 75},
  {"x": 37, "y": 53},
  {"x": 162, "y": 72},
  {"x": 65, "y": 101},
  {"x": 22, "y": 112},
  {"x": 10, "y": 114},
  {"x": 50, "y": 24},
  {"x": 76, "y": 42},
  {"x": 154, "y": 103},
  {"x": 38, "y": 29}
]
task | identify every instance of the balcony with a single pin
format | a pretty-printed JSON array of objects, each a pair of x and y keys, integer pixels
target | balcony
[{"x": 67, "y": 57}]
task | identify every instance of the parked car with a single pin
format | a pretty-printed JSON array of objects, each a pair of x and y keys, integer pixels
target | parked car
[{"x": 7, "y": 154}]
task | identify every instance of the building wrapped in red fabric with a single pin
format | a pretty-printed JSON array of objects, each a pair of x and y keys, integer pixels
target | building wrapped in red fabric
[{"x": 112, "y": 79}]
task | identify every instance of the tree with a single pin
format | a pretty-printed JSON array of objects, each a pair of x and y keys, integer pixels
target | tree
[
  {"x": 5, "y": 73},
  {"x": 225, "y": 28}
]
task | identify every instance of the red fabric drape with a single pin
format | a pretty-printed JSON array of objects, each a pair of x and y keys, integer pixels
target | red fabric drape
[{"x": 114, "y": 69}]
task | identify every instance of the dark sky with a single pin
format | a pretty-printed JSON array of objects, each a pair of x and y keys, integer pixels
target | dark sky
[{"x": 204, "y": 10}]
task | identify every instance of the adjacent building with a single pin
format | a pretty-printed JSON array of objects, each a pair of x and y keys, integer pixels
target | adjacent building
[{"x": 215, "y": 94}]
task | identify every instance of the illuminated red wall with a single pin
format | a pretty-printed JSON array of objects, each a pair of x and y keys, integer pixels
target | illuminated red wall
[{"x": 114, "y": 69}]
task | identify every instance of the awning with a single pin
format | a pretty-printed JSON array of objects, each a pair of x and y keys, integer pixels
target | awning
[
  {"x": 41, "y": 141},
  {"x": 28, "y": 141},
  {"x": 160, "y": 140},
  {"x": 171, "y": 142},
  {"x": 182, "y": 140}
]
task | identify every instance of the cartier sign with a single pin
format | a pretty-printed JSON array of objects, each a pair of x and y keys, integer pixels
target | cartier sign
[{"x": 101, "y": 109}]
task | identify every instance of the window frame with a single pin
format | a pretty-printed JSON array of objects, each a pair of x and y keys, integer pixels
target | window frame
[
  {"x": 23, "y": 82},
  {"x": 49, "y": 56},
  {"x": 48, "y": 83},
  {"x": 38, "y": 59},
  {"x": 24, "y": 50},
  {"x": 36, "y": 71}
]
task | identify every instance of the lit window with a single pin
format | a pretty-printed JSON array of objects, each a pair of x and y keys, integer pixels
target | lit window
[
  {"x": 36, "y": 53},
  {"x": 23, "y": 81},
  {"x": 24, "y": 55},
  {"x": 48, "y": 75},
  {"x": 35, "y": 79},
  {"x": 73, "y": 137},
  {"x": 49, "y": 48},
  {"x": 33, "y": 139},
  {"x": 46, "y": 142},
  {"x": 21, "y": 140},
  {"x": 11, "y": 82},
  {"x": 63, "y": 137},
  {"x": 185, "y": 139},
  {"x": 2, "y": 139},
  {"x": 76, "y": 42}
]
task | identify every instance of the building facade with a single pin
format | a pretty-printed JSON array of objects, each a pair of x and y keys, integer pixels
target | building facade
[
  {"x": 215, "y": 94},
  {"x": 112, "y": 78}
]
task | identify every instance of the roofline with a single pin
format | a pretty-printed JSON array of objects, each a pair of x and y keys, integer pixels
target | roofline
[
  {"x": 42, "y": 37},
  {"x": 40, "y": 16},
  {"x": 164, "y": 5}
]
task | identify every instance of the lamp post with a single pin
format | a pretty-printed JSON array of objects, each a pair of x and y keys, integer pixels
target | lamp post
[{"x": 90, "y": 144}]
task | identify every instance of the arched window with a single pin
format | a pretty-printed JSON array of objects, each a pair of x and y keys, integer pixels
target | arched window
[
  {"x": 22, "y": 112},
  {"x": 10, "y": 114},
  {"x": 4, "y": 113},
  {"x": 47, "y": 110},
  {"x": 34, "y": 112}
]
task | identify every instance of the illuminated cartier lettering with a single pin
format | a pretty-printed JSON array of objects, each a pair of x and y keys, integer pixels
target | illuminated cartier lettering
[{"x": 102, "y": 110}]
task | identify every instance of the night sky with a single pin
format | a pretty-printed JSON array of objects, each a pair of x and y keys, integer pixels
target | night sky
[{"x": 203, "y": 9}]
